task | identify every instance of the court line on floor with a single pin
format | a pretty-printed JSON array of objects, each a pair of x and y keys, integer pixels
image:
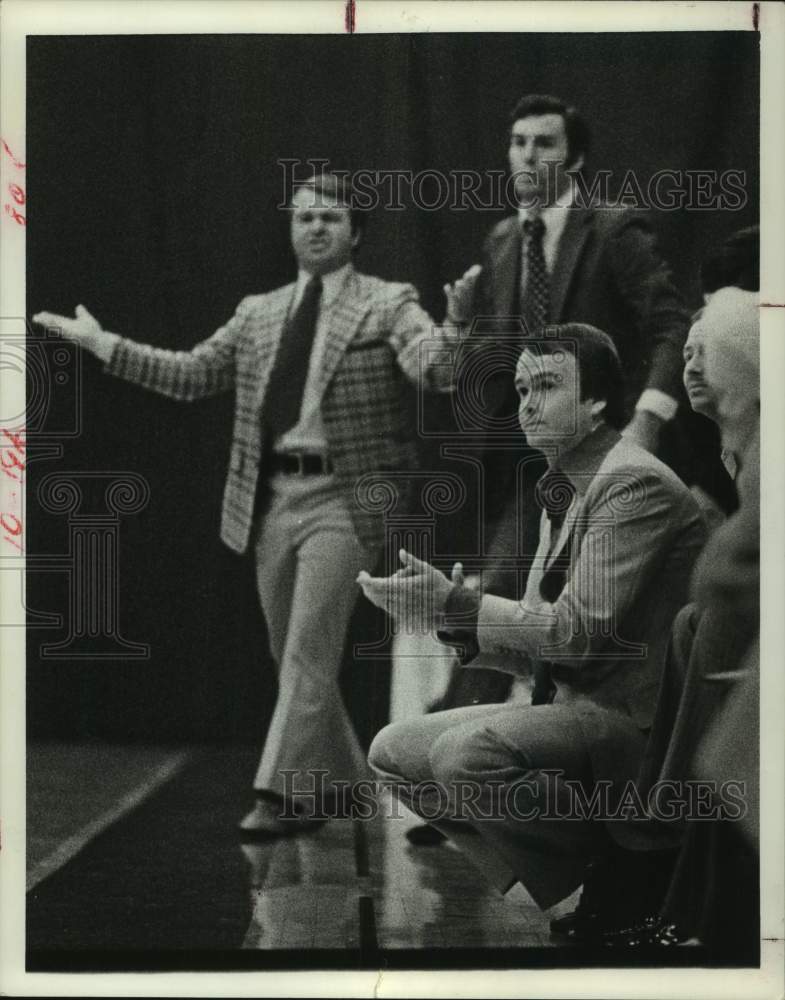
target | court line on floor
[{"x": 72, "y": 845}]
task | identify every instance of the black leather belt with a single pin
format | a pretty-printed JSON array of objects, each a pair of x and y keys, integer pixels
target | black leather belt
[{"x": 301, "y": 464}]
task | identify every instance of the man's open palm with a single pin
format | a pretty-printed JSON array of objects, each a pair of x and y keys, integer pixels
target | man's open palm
[{"x": 84, "y": 329}]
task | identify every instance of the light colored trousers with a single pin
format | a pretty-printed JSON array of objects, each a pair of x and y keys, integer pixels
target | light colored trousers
[
  {"x": 307, "y": 560},
  {"x": 421, "y": 671},
  {"x": 514, "y": 746}
]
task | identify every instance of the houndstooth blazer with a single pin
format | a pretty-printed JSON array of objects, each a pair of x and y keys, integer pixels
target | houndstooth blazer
[{"x": 375, "y": 344}]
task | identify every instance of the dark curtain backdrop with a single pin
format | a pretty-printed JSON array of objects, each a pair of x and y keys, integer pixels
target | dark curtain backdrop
[{"x": 152, "y": 187}]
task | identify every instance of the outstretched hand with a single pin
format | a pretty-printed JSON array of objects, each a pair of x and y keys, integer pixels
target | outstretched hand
[
  {"x": 414, "y": 595},
  {"x": 84, "y": 329},
  {"x": 460, "y": 296}
]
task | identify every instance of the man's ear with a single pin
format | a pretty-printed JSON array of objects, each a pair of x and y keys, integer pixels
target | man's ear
[
  {"x": 577, "y": 165},
  {"x": 357, "y": 239},
  {"x": 597, "y": 407}
]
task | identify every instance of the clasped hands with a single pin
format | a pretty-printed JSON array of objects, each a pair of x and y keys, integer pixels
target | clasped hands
[{"x": 414, "y": 595}]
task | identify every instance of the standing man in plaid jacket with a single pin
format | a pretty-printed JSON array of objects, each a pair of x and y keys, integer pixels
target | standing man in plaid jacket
[{"x": 319, "y": 369}]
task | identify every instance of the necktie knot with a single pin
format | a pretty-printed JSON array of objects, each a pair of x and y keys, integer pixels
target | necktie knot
[
  {"x": 554, "y": 494},
  {"x": 314, "y": 287},
  {"x": 534, "y": 228}
]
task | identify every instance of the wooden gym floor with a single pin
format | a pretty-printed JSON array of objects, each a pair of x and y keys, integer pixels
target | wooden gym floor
[{"x": 134, "y": 863}]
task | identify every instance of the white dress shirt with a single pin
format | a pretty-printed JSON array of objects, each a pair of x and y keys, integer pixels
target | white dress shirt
[
  {"x": 308, "y": 433},
  {"x": 554, "y": 218}
]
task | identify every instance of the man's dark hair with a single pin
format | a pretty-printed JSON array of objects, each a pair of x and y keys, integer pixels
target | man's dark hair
[
  {"x": 337, "y": 185},
  {"x": 575, "y": 127},
  {"x": 735, "y": 263},
  {"x": 599, "y": 365}
]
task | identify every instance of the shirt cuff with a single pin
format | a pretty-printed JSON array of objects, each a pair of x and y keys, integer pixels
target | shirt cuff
[
  {"x": 106, "y": 346},
  {"x": 461, "y": 612},
  {"x": 659, "y": 403}
]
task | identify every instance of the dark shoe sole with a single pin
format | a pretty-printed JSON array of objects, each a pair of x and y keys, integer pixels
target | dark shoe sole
[
  {"x": 289, "y": 829},
  {"x": 425, "y": 836}
]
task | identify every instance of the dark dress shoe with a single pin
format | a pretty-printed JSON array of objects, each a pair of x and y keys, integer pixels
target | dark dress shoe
[
  {"x": 566, "y": 924},
  {"x": 580, "y": 927},
  {"x": 652, "y": 933},
  {"x": 620, "y": 900},
  {"x": 270, "y": 818},
  {"x": 584, "y": 921},
  {"x": 613, "y": 932},
  {"x": 425, "y": 836}
]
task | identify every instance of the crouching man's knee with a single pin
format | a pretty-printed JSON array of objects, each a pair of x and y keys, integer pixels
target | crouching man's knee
[
  {"x": 471, "y": 769},
  {"x": 387, "y": 755},
  {"x": 457, "y": 756},
  {"x": 396, "y": 767}
]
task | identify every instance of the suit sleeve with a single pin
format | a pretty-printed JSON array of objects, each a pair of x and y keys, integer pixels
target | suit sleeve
[
  {"x": 643, "y": 281},
  {"x": 629, "y": 528},
  {"x": 483, "y": 296},
  {"x": 426, "y": 352},
  {"x": 206, "y": 370},
  {"x": 727, "y": 575}
]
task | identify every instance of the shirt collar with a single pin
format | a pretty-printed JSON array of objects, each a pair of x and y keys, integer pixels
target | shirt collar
[
  {"x": 580, "y": 463},
  {"x": 331, "y": 283},
  {"x": 553, "y": 216}
]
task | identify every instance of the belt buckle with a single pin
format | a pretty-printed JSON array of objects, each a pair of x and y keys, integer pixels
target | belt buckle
[{"x": 300, "y": 464}]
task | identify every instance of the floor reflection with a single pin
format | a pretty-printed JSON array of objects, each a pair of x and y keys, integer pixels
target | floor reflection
[
  {"x": 306, "y": 890},
  {"x": 167, "y": 873}
]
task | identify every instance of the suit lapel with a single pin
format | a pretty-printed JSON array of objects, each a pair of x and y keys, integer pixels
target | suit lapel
[
  {"x": 554, "y": 577},
  {"x": 573, "y": 238},
  {"x": 507, "y": 272},
  {"x": 557, "y": 563},
  {"x": 271, "y": 323},
  {"x": 585, "y": 466},
  {"x": 345, "y": 315}
]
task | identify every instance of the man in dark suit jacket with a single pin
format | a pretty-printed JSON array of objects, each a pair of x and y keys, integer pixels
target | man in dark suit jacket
[
  {"x": 602, "y": 263},
  {"x": 318, "y": 369},
  {"x": 619, "y": 533},
  {"x": 560, "y": 259}
]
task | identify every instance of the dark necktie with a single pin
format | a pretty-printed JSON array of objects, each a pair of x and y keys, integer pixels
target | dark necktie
[
  {"x": 284, "y": 397},
  {"x": 535, "y": 294},
  {"x": 554, "y": 494}
]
